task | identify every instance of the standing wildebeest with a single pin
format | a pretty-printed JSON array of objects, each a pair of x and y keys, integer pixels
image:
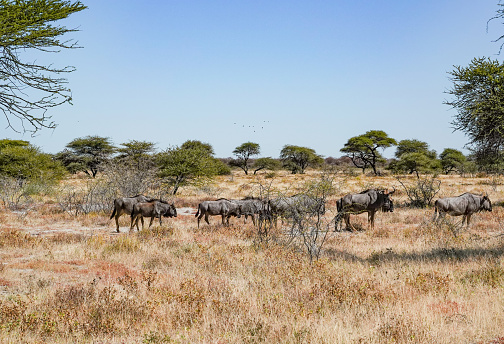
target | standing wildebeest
[
  {"x": 251, "y": 207},
  {"x": 125, "y": 205},
  {"x": 156, "y": 208},
  {"x": 295, "y": 207},
  {"x": 368, "y": 201},
  {"x": 222, "y": 207},
  {"x": 465, "y": 205}
]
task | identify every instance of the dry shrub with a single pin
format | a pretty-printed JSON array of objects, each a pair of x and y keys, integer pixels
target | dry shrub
[
  {"x": 67, "y": 238},
  {"x": 491, "y": 275},
  {"x": 123, "y": 244},
  {"x": 431, "y": 283},
  {"x": 400, "y": 329},
  {"x": 17, "y": 238}
]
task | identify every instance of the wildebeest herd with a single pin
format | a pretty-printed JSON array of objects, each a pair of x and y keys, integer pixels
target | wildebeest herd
[{"x": 294, "y": 208}]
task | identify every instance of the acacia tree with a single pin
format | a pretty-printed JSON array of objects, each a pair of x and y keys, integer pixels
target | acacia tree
[
  {"x": 90, "y": 152},
  {"x": 266, "y": 163},
  {"x": 414, "y": 156},
  {"x": 297, "y": 159},
  {"x": 22, "y": 161},
  {"x": 364, "y": 149},
  {"x": 187, "y": 163},
  {"x": 452, "y": 160},
  {"x": 478, "y": 98},
  {"x": 28, "y": 89},
  {"x": 243, "y": 153}
]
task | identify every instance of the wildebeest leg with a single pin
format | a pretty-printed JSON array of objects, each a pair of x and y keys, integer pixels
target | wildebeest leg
[
  {"x": 253, "y": 219},
  {"x": 199, "y": 218},
  {"x": 435, "y": 217},
  {"x": 118, "y": 213},
  {"x": 371, "y": 218},
  {"x": 132, "y": 222},
  {"x": 151, "y": 220},
  {"x": 206, "y": 218},
  {"x": 348, "y": 226}
]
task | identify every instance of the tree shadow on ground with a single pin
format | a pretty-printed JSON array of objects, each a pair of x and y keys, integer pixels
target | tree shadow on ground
[{"x": 442, "y": 254}]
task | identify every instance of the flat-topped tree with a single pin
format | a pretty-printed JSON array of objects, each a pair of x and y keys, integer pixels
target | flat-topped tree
[
  {"x": 297, "y": 159},
  {"x": 243, "y": 153},
  {"x": 364, "y": 149},
  {"x": 91, "y": 151}
]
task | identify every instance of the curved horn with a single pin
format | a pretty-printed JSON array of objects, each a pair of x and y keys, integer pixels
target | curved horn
[{"x": 390, "y": 193}]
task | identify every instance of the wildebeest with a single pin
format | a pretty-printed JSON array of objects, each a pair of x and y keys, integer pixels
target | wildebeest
[
  {"x": 222, "y": 207},
  {"x": 296, "y": 206},
  {"x": 124, "y": 205},
  {"x": 368, "y": 201},
  {"x": 153, "y": 209},
  {"x": 465, "y": 205},
  {"x": 251, "y": 206}
]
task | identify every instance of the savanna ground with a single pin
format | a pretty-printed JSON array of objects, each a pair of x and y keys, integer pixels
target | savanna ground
[{"x": 73, "y": 279}]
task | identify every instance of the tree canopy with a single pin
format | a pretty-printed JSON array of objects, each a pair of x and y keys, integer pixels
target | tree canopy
[
  {"x": 364, "y": 149},
  {"x": 478, "y": 98},
  {"x": 185, "y": 164},
  {"x": 88, "y": 153},
  {"x": 452, "y": 160},
  {"x": 28, "y": 89},
  {"x": 243, "y": 153},
  {"x": 297, "y": 159},
  {"x": 23, "y": 161},
  {"x": 414, "y": 156}
]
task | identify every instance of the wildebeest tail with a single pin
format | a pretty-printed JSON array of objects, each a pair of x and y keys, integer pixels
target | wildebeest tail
[
  {"x": 113, "y": 213},
  {"x": 339, "y": 205}
]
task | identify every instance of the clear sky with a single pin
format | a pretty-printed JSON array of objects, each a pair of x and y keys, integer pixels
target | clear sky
[{"x": 307, "y": 73}]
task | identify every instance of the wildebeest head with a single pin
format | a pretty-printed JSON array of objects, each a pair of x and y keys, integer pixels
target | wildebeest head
[
  {"x": 486, "y": 204},
  {"x": 388, "y": 203},
  {"x": 170, "y": 210}
]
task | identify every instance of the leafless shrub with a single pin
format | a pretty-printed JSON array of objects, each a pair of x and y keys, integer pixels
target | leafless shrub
[
  {"x": 13, "y": 193},
  {"x": 94, "y": 196},
  {"x": 422, "y": 191},
  {"x": 130, "y": 178}
]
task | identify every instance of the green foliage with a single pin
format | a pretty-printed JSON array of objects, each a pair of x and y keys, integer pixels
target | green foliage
[
  {"x": 243, "y": 153},
  {"x": 26, "y": 25},
  {"x": 363, "y": 149},
  {"x": 414, "y": 146},
  {"x": 478, "y": 98},
  {"x": 415, "y": 157},
  {"x": 452, "y": 160},
  {"x": 136, "y": 150},
  {"x": 297, "y": 159},
  {"x": 87, "y": 154},
  {"x": 266, "y": 163},
  {"x": 186, "y": 164},
  {"x": 21, "y": 160}
]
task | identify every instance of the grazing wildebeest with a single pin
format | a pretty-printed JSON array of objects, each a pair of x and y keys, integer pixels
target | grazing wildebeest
[
  {"x": 251, "y": 206},
  {"x": 222, "y": 207},
  {"x": 368, "y": 201},
  {"x": 465, "y": 205},
  {"x": 153, "y": 209},
  {"x": 295, "y": 207},
  {"x": 124, "y": 205}
]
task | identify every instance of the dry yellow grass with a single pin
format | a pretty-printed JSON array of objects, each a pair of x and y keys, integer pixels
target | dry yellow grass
[{"x": 74, "y": 280}]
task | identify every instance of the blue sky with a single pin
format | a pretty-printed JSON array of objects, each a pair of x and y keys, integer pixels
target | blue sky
[{"x": 307, "y": 73}]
